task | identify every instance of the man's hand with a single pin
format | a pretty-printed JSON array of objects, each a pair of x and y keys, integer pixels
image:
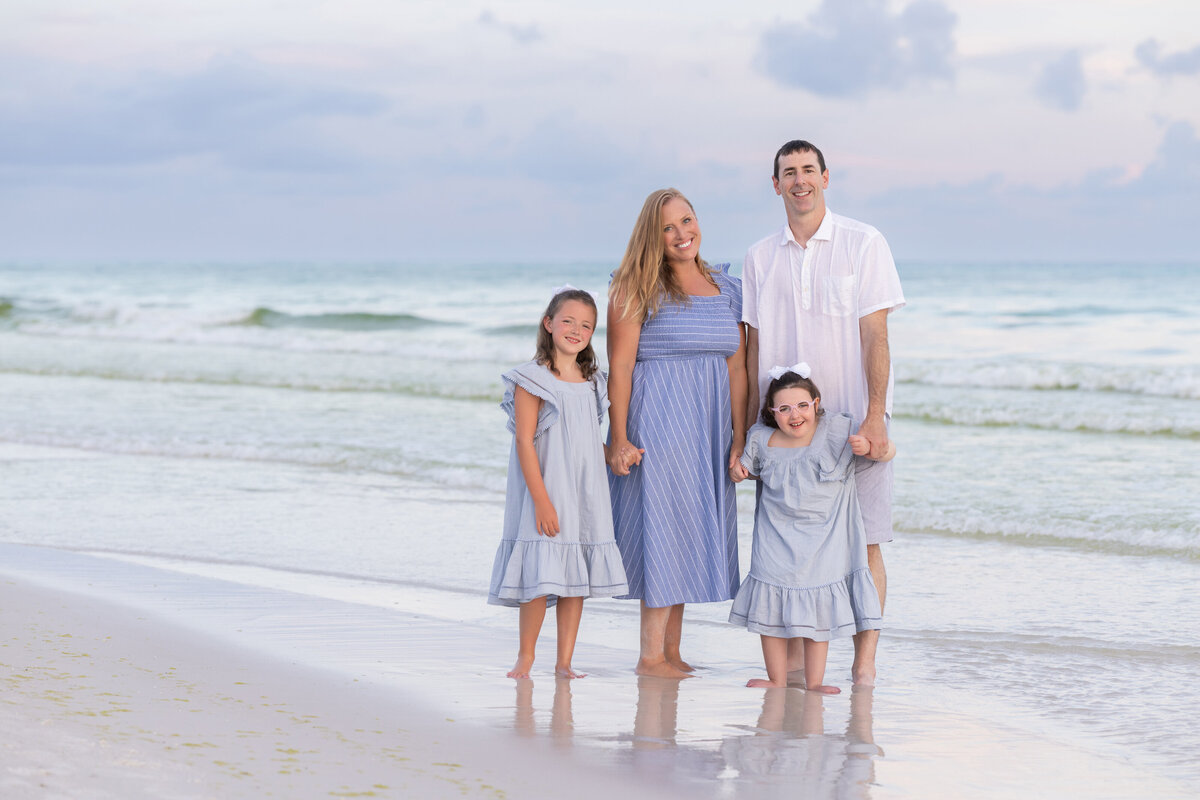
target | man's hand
[{"x": 874, "y": 429}]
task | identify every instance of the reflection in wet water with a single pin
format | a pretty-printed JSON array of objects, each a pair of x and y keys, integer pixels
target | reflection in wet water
[
  {"x": 785, "y": 752},
  {"x": 790, "y": 753}
]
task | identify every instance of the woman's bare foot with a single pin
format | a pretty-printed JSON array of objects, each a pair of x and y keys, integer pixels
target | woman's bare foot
[
  {"x": 659, "y": 669},
  {"x": 824, "y": 689},
  {"x": 521, "y": 668},
  {"x": 763, "y": 683},
  {"x": 679, "y": 664},
  {"x": 567, "y": 672}
]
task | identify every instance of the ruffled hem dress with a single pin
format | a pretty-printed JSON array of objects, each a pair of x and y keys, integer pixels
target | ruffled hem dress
[
  {"x": 808, "y": 567},
  {"x": 675, "y": 513},
  {"x": 583, "y": 559}
]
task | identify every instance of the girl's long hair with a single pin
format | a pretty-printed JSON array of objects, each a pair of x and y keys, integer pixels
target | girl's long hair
[
  {"x": 788, "y": 380},
  {"x": 586, "y": 358},
  {"x": 644, "y": 279}
]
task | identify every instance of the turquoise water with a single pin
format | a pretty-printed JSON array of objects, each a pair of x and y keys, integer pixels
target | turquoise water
[{"x": 325, "y": 419}]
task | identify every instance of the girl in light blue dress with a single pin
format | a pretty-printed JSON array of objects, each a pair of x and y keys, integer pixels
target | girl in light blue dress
[
  {"x": 808, "y": 569},
  {"x": 557, "y": 546}
]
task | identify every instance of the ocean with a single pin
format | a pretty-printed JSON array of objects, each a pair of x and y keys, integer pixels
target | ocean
[{"x": 335, "y": 428}]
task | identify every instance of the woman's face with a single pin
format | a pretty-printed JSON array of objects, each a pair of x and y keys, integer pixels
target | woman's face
[
  {"x": 681, "y": 231},
  {"x": 795, "y": 412}
]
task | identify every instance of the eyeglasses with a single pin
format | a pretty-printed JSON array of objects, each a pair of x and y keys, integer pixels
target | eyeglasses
[{"x": 787, "y": 409}]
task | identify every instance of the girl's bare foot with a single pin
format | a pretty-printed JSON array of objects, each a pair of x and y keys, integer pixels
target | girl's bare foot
[
  {"x": 567, "y": 672},
  {"x": 824, "y": 689},
  {"x": 659, "y": 669},
  {"x": 521, "y": 668},
  {"x": 763, "y": 683}
]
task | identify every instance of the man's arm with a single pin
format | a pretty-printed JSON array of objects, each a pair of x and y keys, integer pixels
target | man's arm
[{"x": 877, "y": 364}]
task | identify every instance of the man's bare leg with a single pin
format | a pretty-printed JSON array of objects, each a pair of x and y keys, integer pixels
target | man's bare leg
[{"x": 866, "y": 642}]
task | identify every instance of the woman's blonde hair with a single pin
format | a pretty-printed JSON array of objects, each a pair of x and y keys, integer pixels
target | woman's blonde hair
[{"x": 644, "y": 279}]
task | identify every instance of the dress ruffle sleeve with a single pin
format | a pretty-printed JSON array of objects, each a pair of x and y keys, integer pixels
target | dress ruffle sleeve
[
  {"x": 535, "y": 379},
  {"x": 836, "y": 457},
  {"x": 601, "y": 381},
  {"x": 756, "y": 444},
  {"x": 731, "y": 287}
]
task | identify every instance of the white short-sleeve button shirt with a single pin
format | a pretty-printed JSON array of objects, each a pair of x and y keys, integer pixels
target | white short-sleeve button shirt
[{"x": 806, "y": 302}]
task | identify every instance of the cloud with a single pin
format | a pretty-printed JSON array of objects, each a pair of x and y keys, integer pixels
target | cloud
[
  {"x": 236, "y": 110},
  {"x": 1186, "y": 62},
  {"x": 1105, "y": 215},
  {"x": 1175, "y": 171},
  {"x": 849, "y": 47},
  {"x": 1061, "y": 83},
  {"x": 521, "y": 34}
]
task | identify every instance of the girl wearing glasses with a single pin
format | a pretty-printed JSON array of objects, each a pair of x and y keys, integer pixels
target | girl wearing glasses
[{"x": 808, "y": 571}]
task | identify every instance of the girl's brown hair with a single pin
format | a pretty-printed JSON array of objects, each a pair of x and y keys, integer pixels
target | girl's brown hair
[
  {"x": 788, "y": 380},
  {"x": 644, "y": 277},
  {"x": 586, "y": 357}
]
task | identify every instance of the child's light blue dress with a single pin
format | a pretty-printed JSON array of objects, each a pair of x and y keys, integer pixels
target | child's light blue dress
[
  {"x": 808, "y": 569},
  {"x": 583, "y": 559}
]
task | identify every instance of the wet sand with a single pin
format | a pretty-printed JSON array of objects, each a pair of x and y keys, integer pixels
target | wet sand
[{"x": 124, "y": 680}]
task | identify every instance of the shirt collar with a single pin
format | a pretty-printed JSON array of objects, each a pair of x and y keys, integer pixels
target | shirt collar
[{"x": 824, "y": 231}]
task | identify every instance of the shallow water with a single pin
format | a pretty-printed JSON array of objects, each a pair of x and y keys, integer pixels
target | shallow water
[{"x": 340, "y": 422}]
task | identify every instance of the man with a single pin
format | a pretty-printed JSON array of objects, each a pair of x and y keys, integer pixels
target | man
[{"x": 820, "y": 290}]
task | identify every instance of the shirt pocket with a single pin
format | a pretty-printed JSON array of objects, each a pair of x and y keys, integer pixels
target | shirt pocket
[{"x": 839, "y": 296}]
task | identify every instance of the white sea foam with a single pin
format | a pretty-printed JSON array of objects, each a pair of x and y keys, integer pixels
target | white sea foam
[{"x": 1149, "y": 379}]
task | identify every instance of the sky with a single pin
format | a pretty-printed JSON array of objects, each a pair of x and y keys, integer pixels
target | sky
[{"x": 532, "y": 130}]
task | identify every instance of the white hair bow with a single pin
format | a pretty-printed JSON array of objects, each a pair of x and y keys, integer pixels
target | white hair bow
[
  {"x": 566, "y": 287},
  {"x": 802, "y": 369}
]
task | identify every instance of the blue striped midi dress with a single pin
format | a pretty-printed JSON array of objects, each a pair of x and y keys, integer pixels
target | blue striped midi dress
[{"x": 674, "y": 515}]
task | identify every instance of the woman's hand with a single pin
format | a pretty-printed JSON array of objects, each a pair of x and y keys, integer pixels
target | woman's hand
[{"x": 622, "y": 455}]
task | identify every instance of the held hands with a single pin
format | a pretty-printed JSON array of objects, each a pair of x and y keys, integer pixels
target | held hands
[
  {"x": 622, "y": 456},
  {"x": 874, "y": 430},
  {"x": 546, "y": 518},
  {"x": 737, "y": 473},
  {"x": 861, "y": 446}
]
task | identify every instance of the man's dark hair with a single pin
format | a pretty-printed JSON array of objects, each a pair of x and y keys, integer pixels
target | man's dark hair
[{"x": 799, "y": 146}]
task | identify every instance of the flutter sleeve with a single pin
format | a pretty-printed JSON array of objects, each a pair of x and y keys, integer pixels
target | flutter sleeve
[
  {"x": 600, "y": 380},
  {"x": 836, "y": 459},
  {"x": 535, "y": 379},
  {"x": 731, "y": 287},
  {"x": 756, "y": 448}
]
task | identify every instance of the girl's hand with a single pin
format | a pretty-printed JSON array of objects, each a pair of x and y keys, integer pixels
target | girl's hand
[
  {"x": 859, "y": 445},
  {"x": 631, "y": 456},
  {"x": 546, "y": 518},
  {"x": 621, "y": 456},
  {"x": 737, "y": 472}
]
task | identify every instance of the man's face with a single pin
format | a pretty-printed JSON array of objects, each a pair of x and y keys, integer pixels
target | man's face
[{"x": 801, "y": 183}]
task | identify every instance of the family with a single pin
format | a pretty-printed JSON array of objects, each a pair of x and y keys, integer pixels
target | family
[{"x": 783, "y": 376}]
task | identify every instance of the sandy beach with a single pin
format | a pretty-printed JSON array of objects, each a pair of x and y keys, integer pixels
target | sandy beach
[
  {"x": 126, "y": 681},
  {"x": 107, "y": 701}
]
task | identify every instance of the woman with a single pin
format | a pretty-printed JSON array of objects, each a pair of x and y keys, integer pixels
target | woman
[{"x": 677, "y": 385}]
